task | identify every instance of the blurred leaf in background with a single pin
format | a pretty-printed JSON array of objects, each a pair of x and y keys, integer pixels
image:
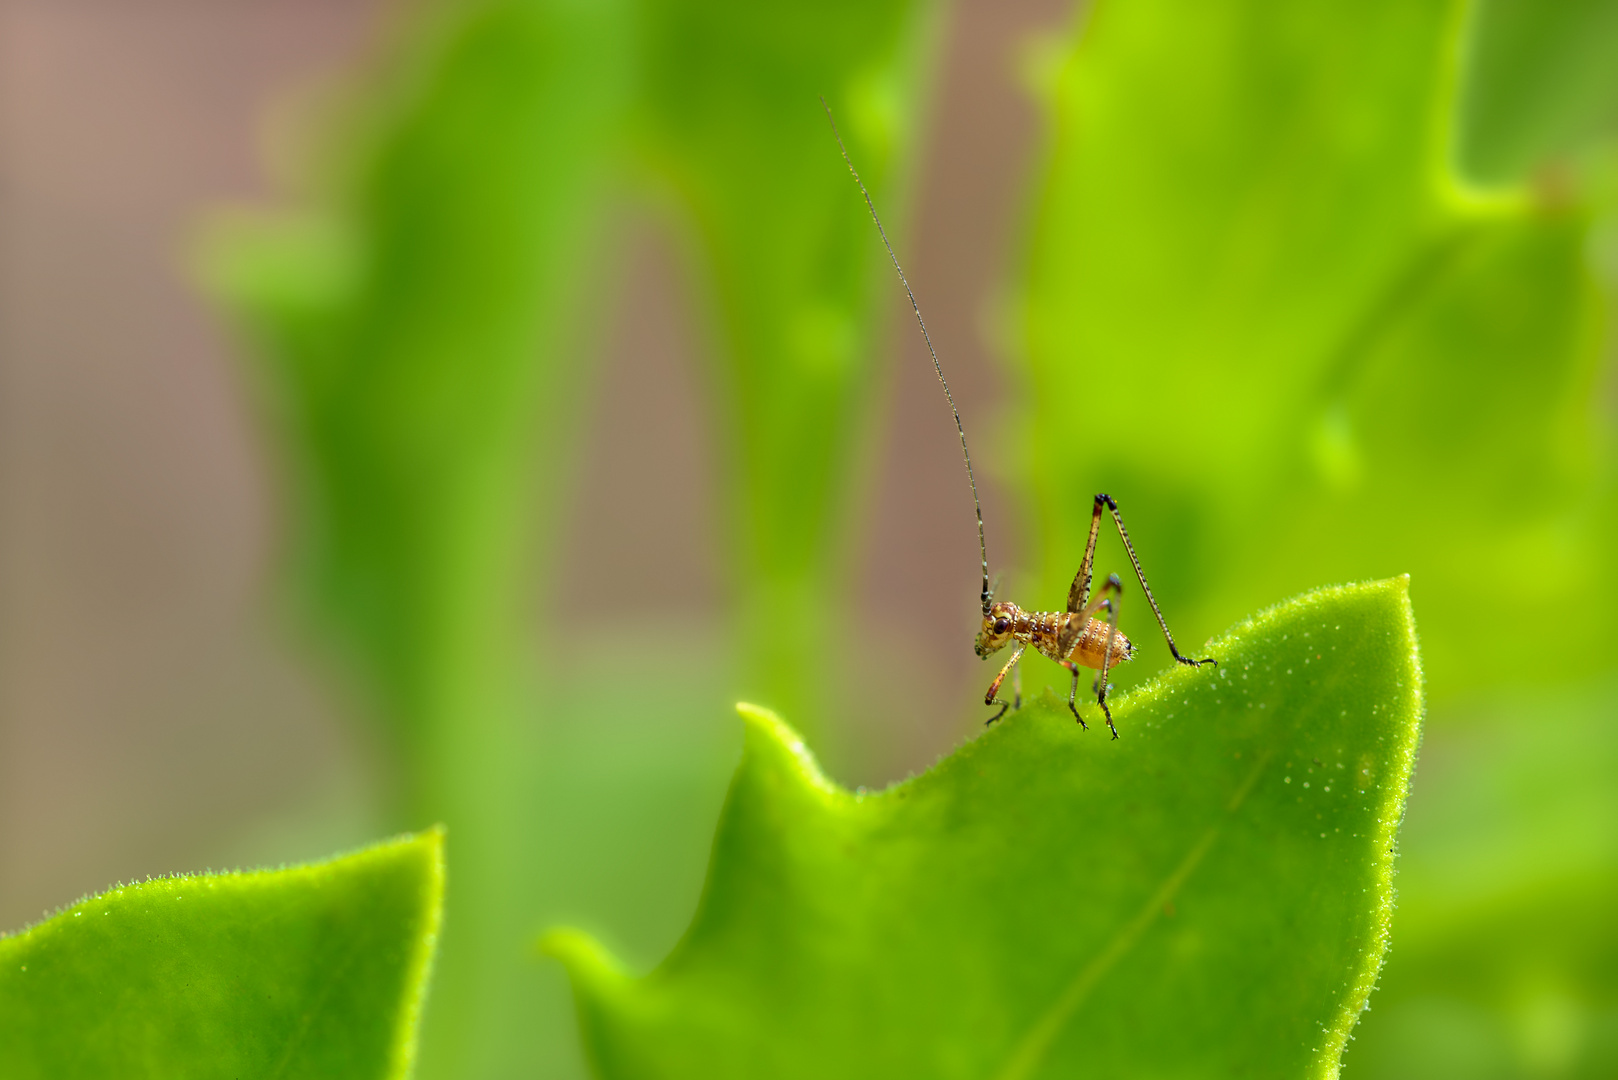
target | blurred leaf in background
[
  {"x": 1541, "y": 86},
  {"x": 424, "y": 316},
  {"x": 1507, "y": 957},
  {"x": 420, "y": 375},
  {"x": 1505, "y": 948},
  {"x": 728, "y": 119},
  {"x": 1263, "y": 315},
  {"x": 1266, "y": 312}
]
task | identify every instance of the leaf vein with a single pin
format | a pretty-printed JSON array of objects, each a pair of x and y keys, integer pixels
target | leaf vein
[{"x": 1031, "y": 1050}]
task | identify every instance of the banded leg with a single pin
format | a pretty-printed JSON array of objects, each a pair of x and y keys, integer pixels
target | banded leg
[
  {"x": 1078, "y": 594},
  {"x": 1076, "y": 625},
  {"x": 992, "y": 697},
  {"x": 1106, "y": 661},
  {"x": 1105, "y": 500},
  {"x": 1073, "y": 694}
]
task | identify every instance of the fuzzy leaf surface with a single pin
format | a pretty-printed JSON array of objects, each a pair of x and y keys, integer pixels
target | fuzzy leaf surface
[
  {"x": 1207, "y": 896},
  {"x": 311, "y": 971}
]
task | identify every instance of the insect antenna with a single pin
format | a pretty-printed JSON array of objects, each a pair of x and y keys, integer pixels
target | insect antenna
[{"x": 983, "y": 551}]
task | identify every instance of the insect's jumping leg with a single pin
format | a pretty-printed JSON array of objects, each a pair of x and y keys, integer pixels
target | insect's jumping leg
[
  {"x": 1106, "y": 662},
  {"x": 1095, "y": 523},
  {"x": 1078, "y": 594},
  {"x": 992, "y": 698}
]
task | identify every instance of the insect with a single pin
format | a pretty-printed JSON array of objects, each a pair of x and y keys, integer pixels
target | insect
[{"x": 1075, "y": 638}]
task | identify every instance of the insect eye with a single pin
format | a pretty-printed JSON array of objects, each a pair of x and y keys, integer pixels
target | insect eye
[{"x": 1001, "y": 626}]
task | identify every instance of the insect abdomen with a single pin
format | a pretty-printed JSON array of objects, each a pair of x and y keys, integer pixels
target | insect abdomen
[
  {"x": 1043, "y": 630},
  {"x": 1092, "y": 643}
]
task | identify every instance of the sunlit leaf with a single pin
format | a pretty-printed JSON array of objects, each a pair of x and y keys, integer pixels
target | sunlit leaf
[
  {"x": 311, "y": 971},
  {"x": 1209, "y": 894}
]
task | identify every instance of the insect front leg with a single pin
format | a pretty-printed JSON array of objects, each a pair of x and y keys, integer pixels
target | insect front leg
[{"x": 992, "y": 697}]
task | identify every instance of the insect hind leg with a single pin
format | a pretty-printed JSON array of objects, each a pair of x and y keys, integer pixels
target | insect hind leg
[{"x": 1105, "y": 500}]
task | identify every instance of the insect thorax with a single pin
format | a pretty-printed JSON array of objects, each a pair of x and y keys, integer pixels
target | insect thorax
[{"x": 1044, "y": 631}]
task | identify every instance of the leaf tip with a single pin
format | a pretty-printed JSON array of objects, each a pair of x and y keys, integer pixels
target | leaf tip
[
  {"x": 595, "y": 974},
  {"x": 429, "y": 849},
  {"x": 770, "y": 740},
  {"x": 1397, "y": 590},
  {"x": 426, "y": 850},
  {"x": 426, "y": 846},
  {"x": 583, "y": 956},
  {"x": 418, "y": 855}
]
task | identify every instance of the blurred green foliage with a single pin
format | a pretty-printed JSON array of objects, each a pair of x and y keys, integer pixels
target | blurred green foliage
[
  {"x": 1266, "y": 304},
  {"x": 1257, "y": 296},
  {"x": 411, "y": 387},
  {"x": 424, "y": 317},
  {"x": 1541, "y": 86},
  {"x": 721, "y": 124},
  {"x": 1314, "y": 289},
  {"x": 1505, "y": 957},
  {"x": 315, "y": 971},
  {"x": 414, "y": 396},
  {"x": 1046, "y": 904}
]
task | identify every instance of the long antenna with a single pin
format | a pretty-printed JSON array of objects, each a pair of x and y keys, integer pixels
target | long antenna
[{"x": 966, "y": 454}]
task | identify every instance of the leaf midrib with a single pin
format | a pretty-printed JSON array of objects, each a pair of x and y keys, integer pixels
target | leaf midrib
[{"x": 1031, "y": 1049}]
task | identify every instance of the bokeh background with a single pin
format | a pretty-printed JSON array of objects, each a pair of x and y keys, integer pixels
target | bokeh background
[{"x": 446, "y": 411}]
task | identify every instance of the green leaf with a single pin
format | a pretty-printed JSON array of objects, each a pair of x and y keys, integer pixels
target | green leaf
[
  {"x": 1265, "y": 316},
  {"x": 312, "y": 971},
  {"x": 1540, "y": 84},
  {"x": 1208, "y": 895},
  {"x": 414, "y": 325}
]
